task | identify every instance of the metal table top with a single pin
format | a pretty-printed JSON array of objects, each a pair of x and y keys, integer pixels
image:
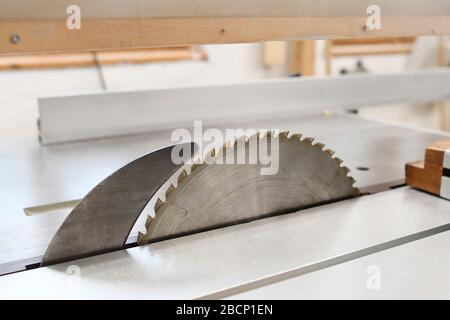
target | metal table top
[
  {"x": 417, "y": 270},
  {"x": 237, "y": 259}
]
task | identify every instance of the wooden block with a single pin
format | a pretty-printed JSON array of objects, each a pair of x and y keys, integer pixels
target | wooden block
[
  {"x": 372, "y": 41},
  {"x": 433, "y": 174}
]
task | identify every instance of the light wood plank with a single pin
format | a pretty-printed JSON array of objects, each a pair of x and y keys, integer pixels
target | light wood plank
[
  {"x": 52, "y": 34},
  {"x": 303, "y": 59},
  {"x": 367, "y": 50},
  {"x": 85, "y": 59}
]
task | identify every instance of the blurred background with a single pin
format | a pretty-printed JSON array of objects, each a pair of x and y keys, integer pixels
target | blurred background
[{"x": 23, "y": 78}]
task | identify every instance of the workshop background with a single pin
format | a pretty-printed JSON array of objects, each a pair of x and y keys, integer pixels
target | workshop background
[
  {"x": 25, "y": 78},
  {"x": 347, "y": 197}
]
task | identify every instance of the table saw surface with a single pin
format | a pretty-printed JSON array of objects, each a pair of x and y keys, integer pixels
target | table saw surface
[
  {"x": 238, "y": 261},
  {"x": 337, "y": 240}
]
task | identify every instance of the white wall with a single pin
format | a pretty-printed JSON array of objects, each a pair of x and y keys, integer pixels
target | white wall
[
  {"x": 226, "y": 64},
  {"x": 21, "y": 88}
]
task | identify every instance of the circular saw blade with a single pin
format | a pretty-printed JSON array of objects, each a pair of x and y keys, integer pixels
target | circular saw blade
[{"x": 214, "y": 195}]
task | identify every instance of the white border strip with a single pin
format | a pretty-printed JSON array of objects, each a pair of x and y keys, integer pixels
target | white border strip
[{"x": 445, "y": 181}]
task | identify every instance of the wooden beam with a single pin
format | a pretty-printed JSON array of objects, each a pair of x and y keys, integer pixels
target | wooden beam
[
  {"x": 112, "y": 34},
  {"x": 373, "y": 41},
  {"x": 85, "y": 59},
  {"x": 367, "y": 50},
  {"x": 36, "y": 26},
  {"x": 366, "y": 47}
]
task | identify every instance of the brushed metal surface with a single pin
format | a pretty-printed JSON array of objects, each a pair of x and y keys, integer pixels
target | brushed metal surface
[
  {"x": 103, "y": 219},
  {"x": 416, "y": 270},
  {"x": 199, "y": 265}
]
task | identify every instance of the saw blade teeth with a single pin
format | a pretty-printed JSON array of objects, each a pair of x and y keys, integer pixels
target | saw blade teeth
[
  {"x": 240, "y": 144},
  {"x": 338, "y": 160},
  {"x": 183, "y": 174},
  {"x": 274, "y": 133},
  {"x": 319, "y": 145},
  {"x": 254, "y": 136},
  {"x": 195, "y": 165},
  {"x": 169, "y": 190},
  {"x": 140, "y": 238},
  {"x": 158, "y": 204},
  {"x": 330, "y": 152},
  {"x": 284, "y": 134},
  {"x": 262, "y": 134},
  {"x": 148, "y": 221},
  {"x": 346, "y": 170},
  {"x": 296, "y": 136},
  {"x": 308, "y": 140},
  {"x": 352, "y": 180},
  {"x": 241, "y": 139},
  {"x": 222, "y": 151}
]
